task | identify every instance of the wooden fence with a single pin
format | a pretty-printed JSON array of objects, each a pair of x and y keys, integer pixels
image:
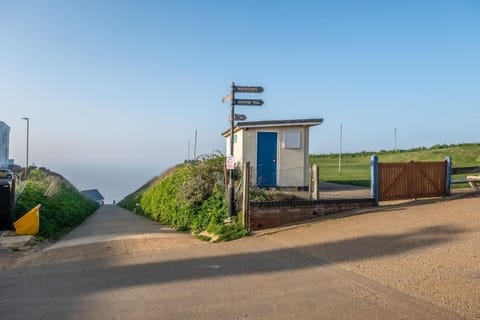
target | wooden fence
[{"x": 411, "y": 180}]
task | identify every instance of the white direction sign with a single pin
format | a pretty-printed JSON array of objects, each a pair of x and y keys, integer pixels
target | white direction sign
[
  {"x": 249, "y": 89},
  {"x": 248, "y": 102},
  {"x": 240, "y": 117}
]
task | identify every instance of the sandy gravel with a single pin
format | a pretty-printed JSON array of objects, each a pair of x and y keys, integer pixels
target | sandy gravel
[{"x": 429, "y": 251}]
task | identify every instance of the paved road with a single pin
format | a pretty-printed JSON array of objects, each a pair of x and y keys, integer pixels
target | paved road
[{"x": 121, "y": 266}]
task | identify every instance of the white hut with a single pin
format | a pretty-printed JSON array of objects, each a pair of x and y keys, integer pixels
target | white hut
[{"x": 277, "y": 150}]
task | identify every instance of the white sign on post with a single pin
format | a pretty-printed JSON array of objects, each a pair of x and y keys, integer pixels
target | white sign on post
[{"x": 230, "y": 163}]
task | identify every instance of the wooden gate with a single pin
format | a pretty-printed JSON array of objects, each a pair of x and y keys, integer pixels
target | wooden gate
[{"x": 411, "y": 180}]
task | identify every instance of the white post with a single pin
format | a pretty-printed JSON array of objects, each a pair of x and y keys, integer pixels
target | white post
[
  {"x": 340, "y": 150},
  {"x": 245, "y": 201},
  {"x": 315, "y": 175}
]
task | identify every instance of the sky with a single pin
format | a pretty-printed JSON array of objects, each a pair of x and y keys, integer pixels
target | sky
[{"x": 115, "y": 90}]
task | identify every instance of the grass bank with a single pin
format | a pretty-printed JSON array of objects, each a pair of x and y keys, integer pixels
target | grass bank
[
  {"x": 63, "y": 206},
  {"x": 355, "y": 167}
]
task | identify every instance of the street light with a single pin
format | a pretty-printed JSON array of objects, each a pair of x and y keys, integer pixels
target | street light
[{"x": 28, "y": 128}]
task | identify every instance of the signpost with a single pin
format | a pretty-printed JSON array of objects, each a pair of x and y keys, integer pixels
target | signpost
[
  {"x": 237, "y": 117},
  {"x": 240, "y": 117},
  {"x": 248, "y": 89},
  {"x": 248, "y": 102}
]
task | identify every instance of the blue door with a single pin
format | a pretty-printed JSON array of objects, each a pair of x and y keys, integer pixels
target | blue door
[{"x": 266, "y": 159}]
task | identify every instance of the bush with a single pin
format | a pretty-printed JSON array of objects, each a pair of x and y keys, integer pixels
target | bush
[
  {"x": 190, "y": 198},
  {"x": 132, "y": 200},
  {"x": 63, "y": 206},
  {"x": 228, "y": 232}
]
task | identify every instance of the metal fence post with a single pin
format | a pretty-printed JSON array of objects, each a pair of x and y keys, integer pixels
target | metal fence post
[
  {"x": 448, "y": 174},
  {"x": 374, "y": 178}
]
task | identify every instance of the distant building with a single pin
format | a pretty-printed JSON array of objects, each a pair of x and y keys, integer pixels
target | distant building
[
  {"x": 4, "y": 144},
  {"x": 94, "y": 195},
  {"x": 277, "y": 150}
]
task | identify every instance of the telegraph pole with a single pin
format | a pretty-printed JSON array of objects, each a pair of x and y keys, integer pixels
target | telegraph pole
[
  {"x": 340, "y": 150},
  {"x": 195, "y": 147},
  {"x": 395, "y": 135}
]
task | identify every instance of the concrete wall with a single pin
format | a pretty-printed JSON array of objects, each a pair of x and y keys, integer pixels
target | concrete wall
[{"x": 268, "y": 214}]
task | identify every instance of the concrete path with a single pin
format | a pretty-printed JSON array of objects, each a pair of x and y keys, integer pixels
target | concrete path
[
  {"x": 335, "y": 190},
  {"x": 111, "y": 223},
  {"x": 113, "y": 231},
  {"x": 13, "y": 242}
]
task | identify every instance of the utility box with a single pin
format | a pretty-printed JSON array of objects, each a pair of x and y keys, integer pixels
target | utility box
[{"x": 7, "y": 199}]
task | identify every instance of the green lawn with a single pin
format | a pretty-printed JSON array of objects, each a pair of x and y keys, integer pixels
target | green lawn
[{"x": 355, "y": 167}]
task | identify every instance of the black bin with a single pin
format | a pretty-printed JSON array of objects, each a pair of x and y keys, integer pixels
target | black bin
[{"x": 7, "y": 202}]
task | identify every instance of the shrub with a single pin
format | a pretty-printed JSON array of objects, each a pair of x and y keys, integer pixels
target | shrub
[
  {"x": 228, "y": 232},
  {"x": 63, "y": 206},
  {"x": 190, "y": 198}
]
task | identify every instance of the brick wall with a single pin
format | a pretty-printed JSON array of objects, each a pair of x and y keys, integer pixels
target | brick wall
[{"x": 268, "y": 214}]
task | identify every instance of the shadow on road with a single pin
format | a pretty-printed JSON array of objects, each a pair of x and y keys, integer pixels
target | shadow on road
[
  {"x": 267, "y": 261},
  {"x": 71, "y": 288}
]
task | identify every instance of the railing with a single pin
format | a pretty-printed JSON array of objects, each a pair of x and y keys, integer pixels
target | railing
[
  {"x": 462, "y": 171},
  {"x": 282, "y": 177}
]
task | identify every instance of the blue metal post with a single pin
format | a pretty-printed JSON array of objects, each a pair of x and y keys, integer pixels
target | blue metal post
[
  {"x": 374, "y": 178},
  {"x": 448, "y": 174}
]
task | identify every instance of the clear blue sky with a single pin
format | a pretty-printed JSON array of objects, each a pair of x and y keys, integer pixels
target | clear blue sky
[{"x": 116, "y": 89}]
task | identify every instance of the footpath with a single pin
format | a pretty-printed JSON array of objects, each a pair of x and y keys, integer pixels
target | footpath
[
  {"x": 111, "y": 223},
  {"x": 110, "y": 231},
  {"x": 113, "y": 231}
]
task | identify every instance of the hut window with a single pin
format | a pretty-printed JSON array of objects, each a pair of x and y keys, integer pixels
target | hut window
[{"x": 291, "y": 139}]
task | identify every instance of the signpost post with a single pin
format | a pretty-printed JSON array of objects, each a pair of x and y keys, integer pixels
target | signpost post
[{"x": 236, "y": 117}]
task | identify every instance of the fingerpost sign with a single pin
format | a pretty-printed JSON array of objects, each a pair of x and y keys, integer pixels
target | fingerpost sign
[{"x": 230, "y": 161}]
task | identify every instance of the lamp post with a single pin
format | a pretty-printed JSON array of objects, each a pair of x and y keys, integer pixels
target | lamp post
[{"x": 28, "y": 134}]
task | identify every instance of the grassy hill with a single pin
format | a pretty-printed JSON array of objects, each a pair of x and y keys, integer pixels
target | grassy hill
[
  {"x": 63, "y": 206},
  {"x": 355, "y": 167}
]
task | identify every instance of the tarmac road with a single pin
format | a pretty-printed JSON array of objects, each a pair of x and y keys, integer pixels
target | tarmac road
[{"x": 121, "y": 266}]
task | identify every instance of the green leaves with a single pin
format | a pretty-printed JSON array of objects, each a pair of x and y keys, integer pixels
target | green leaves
[
  {"x": 189, "y": 198},
  {"x": 63, "y": 206}
]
